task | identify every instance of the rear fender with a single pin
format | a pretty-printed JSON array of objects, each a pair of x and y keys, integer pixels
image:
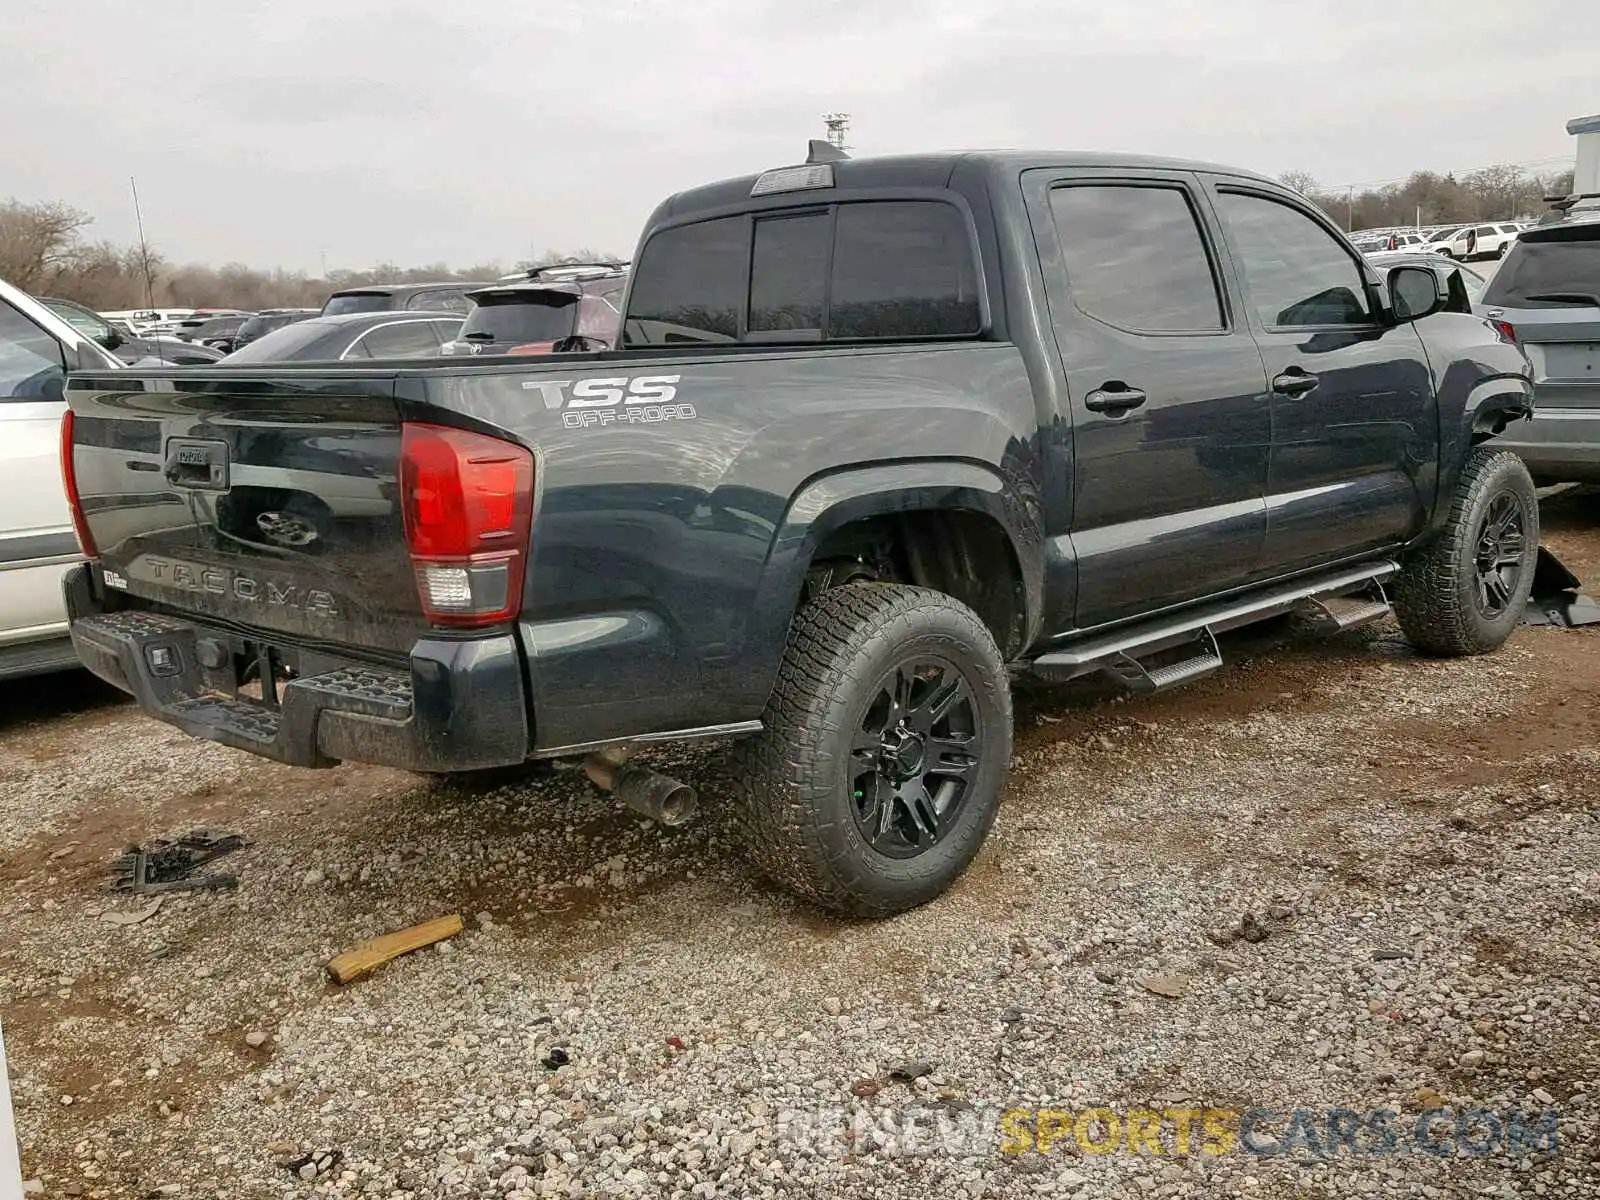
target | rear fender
[{"x": 828, "y": 503}]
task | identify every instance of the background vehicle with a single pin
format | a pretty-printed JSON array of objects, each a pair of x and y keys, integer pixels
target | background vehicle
[
  {"x": 1465, "y": 286},
  {"x": 878, "y": 432},
  {"x": 1493, "y": 241},
  {"x": 159, "y": 348},
  {"x": 260, "y": 325},
  {"x": 354, "y": 335},
  {"x": 544, "y": 317},
  {"x": 217, "y": 332},
  {"x": 1547, "y": 292},
  {"x": 189, "y": 328},
  {"x": 449, "y": 296},
  {"x": 37, "y": 542}
]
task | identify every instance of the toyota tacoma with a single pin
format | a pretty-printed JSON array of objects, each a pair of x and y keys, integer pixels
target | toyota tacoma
[{"x": 879, "y": 433}]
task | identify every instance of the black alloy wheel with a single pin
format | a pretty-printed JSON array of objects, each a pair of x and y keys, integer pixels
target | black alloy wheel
[
  {"x": 914, "y": 756},
  {"x": 1501, "y": 551}
]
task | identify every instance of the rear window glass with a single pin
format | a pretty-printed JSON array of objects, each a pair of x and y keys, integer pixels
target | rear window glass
[
  {"x": 689, "y": 284},
  {"x": 544, "y": 318},
  {"x": 899, "y": 270},
  {"x": 789, "y": 267},
  {"x": 362, "y": 302},
  {"x": 1541, "y": 274}
]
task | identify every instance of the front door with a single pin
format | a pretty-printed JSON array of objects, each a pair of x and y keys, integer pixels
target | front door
[
  {"x": 1355, "y": 434},
  {"x": 1171, "y": 422}
]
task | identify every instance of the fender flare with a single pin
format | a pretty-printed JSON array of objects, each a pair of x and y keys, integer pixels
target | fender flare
[
  {"x": 1494, "y": 401},
  {"x": 827, "y": 503}
]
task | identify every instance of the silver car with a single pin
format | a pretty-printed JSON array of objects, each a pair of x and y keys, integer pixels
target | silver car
[{"x": 1547, "y": 294}]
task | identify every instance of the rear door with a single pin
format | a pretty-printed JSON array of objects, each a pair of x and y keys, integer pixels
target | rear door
[
  {"x": 1171, "y": 422},
  {"x": 36, "y": 538},
  {"x": 1354, "y": 423}
]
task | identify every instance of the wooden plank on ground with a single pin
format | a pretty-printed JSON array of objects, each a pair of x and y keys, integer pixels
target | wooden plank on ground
[{"x": 369, "y": 956}]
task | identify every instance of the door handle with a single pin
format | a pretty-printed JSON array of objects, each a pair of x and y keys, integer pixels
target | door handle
[
  {"x": 1294, "y": 382},
  {"x": 1115, "y": 398}
]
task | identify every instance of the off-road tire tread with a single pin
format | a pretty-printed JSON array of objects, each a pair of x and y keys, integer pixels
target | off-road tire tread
[
  {"x": 1427, "y": 593},
  {"x": 779, "y": 779}
]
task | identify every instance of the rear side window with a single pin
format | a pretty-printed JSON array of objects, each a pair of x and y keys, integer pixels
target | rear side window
[
  {"x": 866, "y": 270},
  {"x": 689, "y": 284},
  {"x": 411, "y": 339},
  {"x": 1135, "y": 258}
]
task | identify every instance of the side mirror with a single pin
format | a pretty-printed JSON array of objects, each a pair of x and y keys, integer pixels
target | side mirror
[
  {"x": 1416, "y": 292},
  {"x": 110, "y": 339}
]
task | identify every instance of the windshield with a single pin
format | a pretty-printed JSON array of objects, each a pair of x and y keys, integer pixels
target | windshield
[
  {"x": 1549, "y": 274},
  {"x": 280, "y": 344},
  {"x": 358, "y": 302},
  {"x": 545, "y": 317},
  {"x": 1441, "y": 234},
  {"x": 217, "y": 326}
]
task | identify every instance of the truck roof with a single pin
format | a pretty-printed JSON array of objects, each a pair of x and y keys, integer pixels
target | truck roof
[{"x": 929, "y": 171}]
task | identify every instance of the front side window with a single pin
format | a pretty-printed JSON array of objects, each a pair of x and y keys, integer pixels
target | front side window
[
  {"x": 31, "y": 364},
  {"x": 1297, "y": 273},
  {"x": 1135, "y": 257}
]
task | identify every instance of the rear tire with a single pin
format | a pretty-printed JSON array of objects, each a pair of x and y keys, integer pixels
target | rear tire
[
  {"x": 1465, "y": 591},
  {"x": 886, "y": 745}
]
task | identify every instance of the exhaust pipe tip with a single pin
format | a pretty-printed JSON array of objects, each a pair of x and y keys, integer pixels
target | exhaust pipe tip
[{"x": 665, "y": 800}]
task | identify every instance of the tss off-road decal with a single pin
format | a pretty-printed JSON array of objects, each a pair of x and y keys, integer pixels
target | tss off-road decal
[{"x": 613, "y": 400}]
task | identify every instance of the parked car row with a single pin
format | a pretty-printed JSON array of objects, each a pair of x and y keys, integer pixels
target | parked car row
[{"x": 1462, "y": 242}]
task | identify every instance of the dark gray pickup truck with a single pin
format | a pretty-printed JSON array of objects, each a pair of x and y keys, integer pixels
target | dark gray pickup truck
[{"x": 880, "y": 432}]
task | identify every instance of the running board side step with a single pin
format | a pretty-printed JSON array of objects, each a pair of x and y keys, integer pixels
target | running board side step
[
  {"x": 1333, "y": 601},
  {"x": 1335, "y": 614}
]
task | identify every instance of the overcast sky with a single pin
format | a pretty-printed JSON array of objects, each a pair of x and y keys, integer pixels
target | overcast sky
[{"x": 371, "y": 130}]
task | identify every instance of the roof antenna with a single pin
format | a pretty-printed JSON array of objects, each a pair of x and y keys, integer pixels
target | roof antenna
[
  {"x": 819, "y": 151},
  {"x": 144, "y": 262}
]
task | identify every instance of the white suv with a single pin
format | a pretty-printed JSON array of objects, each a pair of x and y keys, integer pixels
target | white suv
[
  {"x": 37, "y": 542},
  {"x": 1478, "y": 241}
]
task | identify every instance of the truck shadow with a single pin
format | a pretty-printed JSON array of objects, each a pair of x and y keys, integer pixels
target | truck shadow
[{"x": 60, "y": 695}]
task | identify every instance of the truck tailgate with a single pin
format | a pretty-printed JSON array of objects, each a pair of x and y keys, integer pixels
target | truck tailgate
[{"x": 269, "y": 506}]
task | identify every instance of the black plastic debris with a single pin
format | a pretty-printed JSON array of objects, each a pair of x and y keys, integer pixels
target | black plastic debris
[
  {"x": 1556, "y": 601},
  {"x": 555, "y": 1060},
  {"x": 170, "y": 866}
]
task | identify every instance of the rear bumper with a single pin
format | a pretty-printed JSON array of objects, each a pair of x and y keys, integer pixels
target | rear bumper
[
  {"x": 1560, "y": 445},
  {"x": 459, "y": 707}
]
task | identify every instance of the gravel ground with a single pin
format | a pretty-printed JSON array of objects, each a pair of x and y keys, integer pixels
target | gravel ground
[{"x": 1333, "y": 876}]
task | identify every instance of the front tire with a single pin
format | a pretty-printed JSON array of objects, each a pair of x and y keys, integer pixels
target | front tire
[
  {"x": 1465, "y": 591},
  {"x": 886, "y": 745}
]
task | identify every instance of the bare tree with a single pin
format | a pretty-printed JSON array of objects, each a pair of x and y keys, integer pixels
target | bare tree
[
  {"x": 1301, "y": 181},
  {"x": 37, "y": 241}
]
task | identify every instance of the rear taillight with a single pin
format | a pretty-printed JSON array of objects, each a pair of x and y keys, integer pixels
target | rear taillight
[
  {"x": 69, "y": 479},
  {"x": 468, "y": 506},
  {"x": 1506, "y": 330}
]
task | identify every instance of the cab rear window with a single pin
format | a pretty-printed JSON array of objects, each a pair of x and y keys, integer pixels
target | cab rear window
[{"x": 889, "y": 270}]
